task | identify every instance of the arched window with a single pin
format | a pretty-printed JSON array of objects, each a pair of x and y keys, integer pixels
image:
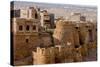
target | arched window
[
  {"x": 27, "y": 40},
  {"x": 36, "y": 16},
  {"x": 27, "y": 28},
  {"x": 90, "y": 36},
  {"x": 80, "y": 38},
  {"x": 96, "y": 29},
  {"x": 76, "y": 27},
  {"x": 34, "y": 27},
  {"x": 20, "y": 27}
]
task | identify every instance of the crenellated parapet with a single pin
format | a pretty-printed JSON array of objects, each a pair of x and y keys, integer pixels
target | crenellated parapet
[{"x": 44, "y": 55}]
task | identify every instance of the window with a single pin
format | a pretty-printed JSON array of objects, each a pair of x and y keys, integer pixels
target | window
[
  {"x": 54, "y": 26},
  {"x": 76, "y": 46},
  {"x": 87, "y": 26},
  {"x": 46, "y": 20},
  {"x": 20, "y": 27},
  {"x": 27, "y": 40},
  {"x": 90, "y": 36},
  {"x": 77, "y": 27},
  {"x": 80, "y": 38},
  {"x": 96, "y": 29},
  {"x": 27, "y": 27},
  {"x": 83, "y": 18},
  {"x": 36, "y": 16},
  {"x": 34, "y": 27},
  {"x": 15, "y": 13}
]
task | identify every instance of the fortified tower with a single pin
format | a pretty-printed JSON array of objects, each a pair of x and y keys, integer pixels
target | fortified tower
[
  {"x": 66, "y": 34},
  {"x": 63, "y": 33},
  {"x": 44, "y": 55}
]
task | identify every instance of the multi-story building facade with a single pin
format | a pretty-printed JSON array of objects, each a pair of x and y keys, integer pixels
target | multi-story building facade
[
  {"x": 26, "y": 13},
  {"x": 47, "y": 19},
  {"x": 25, "y": 25}
]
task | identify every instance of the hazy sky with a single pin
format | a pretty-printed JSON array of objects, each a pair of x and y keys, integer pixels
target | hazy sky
[
  {"x": 88, "y": 12},
  {"x": 80, "y": 2}
]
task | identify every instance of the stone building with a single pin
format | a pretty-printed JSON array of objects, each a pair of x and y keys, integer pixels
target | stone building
[
  {"x": 46, "y": 39},
  {"x": 44, "y": 56},
  {"x": 72, "y": 42},
  {"x": 26, "y": 13},
  {"x": 76, "y": 33},
  {"x": 56, "y": 54},
  {"x": 24, "y": 34},
  {"x": 47, "y": 19},
  {"x": 77, "y": 17}
]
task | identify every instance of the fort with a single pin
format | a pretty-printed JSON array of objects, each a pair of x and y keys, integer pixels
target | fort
[
  {"x": 72, "y": 43},
  {"x": 37, "y": 41}
]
